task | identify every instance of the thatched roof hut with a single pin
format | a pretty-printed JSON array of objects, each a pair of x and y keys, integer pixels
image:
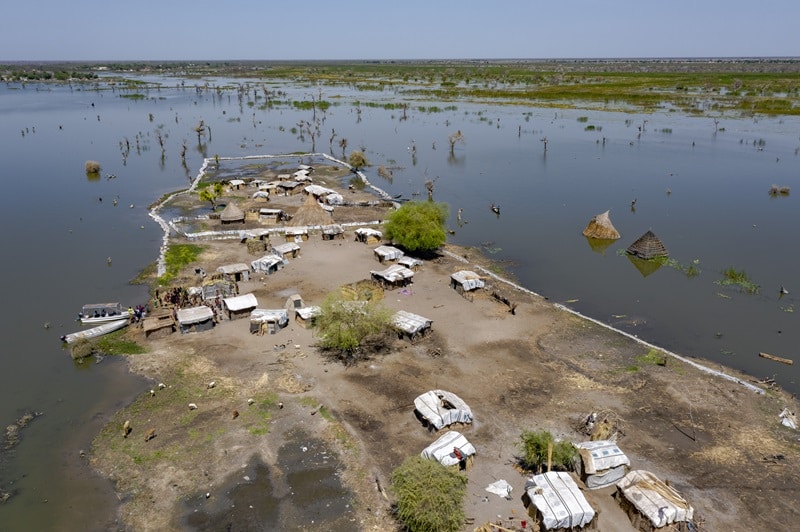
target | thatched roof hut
[
  {"x": 649, "y": 246},
  {"x": 601, "y": 227},
  {"x": 312, "y": 214},
  {"x": 231, "y": 214}
]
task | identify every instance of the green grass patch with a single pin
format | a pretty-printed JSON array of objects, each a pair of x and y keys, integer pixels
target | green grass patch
[
  {"x": 652, "y": 357},
  {"x": 738, "y": 278},
  {"x": 177, "y": 257},
  {"x": 116, "y": 343}
]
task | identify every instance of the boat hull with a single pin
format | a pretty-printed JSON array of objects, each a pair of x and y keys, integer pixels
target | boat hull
[{"x": 94, "y": 332}]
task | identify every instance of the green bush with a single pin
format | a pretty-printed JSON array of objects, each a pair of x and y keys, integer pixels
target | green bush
[
  {"x": 352, "y": 330},
  {"x": 429, "y": 495},
  {"x": 417, "y": 226},
  {"x": 535, "y": 445}
]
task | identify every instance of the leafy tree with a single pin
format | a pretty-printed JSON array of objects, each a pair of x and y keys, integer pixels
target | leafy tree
[
  {"x": 537, "y": 445},
  {"x": 211, "y": 194},
  {"x": 429, "y": 495},
  {"x": 418, "y": 225},
  {"x": 351, "y": 330},
  {"x": 357, "y": 159}
]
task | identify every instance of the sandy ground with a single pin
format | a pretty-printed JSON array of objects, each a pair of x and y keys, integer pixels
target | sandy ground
[{"x": 716, "y": 442}]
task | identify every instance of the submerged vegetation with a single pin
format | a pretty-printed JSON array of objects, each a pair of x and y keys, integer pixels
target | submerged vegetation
[{"x": 739, "y": 278}]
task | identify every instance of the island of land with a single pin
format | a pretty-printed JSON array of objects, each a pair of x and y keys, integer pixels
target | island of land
[{"x": 241, "y": 430}]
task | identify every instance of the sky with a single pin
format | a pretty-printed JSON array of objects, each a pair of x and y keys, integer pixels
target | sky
[{"x": 103, "y": 30}]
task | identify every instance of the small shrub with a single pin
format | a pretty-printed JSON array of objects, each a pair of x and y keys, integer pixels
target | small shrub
[
  {"x": 535, "y": 447},
  {"x": 429, "y": 495}
]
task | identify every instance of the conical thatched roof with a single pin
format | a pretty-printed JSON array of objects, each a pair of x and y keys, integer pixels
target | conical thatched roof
[
  {"x": 232, "y": 213},
  {"x": 649, "y": 246},
  {"x": 601, "y": 227},
  {"x": 311, "y": 213}
]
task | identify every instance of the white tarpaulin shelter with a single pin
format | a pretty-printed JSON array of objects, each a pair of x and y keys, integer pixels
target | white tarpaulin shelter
[
  {"x": 384, "y": 253},
  {"x": 443, "y": 449},
  {"x": 393, "y": 275},
  {"x": 368, "y": 235},
  {"x": 467, "y": 280},
  {"x": 240, "y": 303},
  {"x": 412, "y": 324},
  {"x": 656, "y": 501},
  {"x": 603, "y": 462},
  {"x": 287, "y": 249},
  {"x": 267, "y": 264},
  {"x": 409, "y": 262},
  {"x": 441, "y": 408},
  {"x": 190, "y": 316},
  {"x": 268, "y": 321},
  {"x": 558, "y": 501}
]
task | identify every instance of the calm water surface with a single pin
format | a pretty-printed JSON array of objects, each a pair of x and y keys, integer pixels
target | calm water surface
[{"x": 704, "y": 193}]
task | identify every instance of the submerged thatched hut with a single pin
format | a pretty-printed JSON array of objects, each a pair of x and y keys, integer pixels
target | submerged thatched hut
[
  {"x": 600, "y": 227},
  {"x": 232, "y": 214},
  {"x": 647, "y": 247}
]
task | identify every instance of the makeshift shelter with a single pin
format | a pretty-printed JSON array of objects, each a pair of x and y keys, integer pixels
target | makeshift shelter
[
  {"x": 451, "y": 449},
  {"x": 287, "y": 250},
  {"x": 268, "y": 321},
  {"x": 438, "y": 408},
  {"x": 235, "y": 272},
  {"x": 261, "y": 195},
  {"x": 410, "y": 262},
  {"x": 387, "y": 253},
  {"x": 214, "y": 288},
  {"x": 158, "y": 324},
  {"x": 195, "y": 319},
  {"x": 296, "y": 234},
  {"x": 307, "y": 316},
  {"x": 601, "y": 228},
  {"x": 393, "y": 276},
  {"x": 465, "y": 282},
  {"x": 368, "y": 235},
  {"x": 651, "y": 504},
  {"x": 318, "y": 191},
  {"x": 236, "y": 184},
  {"x": 271, "y": 216},
  {"x": 602, "y": 463},
  {"x": 647, "y": 247},
  {"x": 268, "y": 264},
  {"x": 231, "y": 214},
  {"x": 301, "y": 175},
  {"x": 331, "y": 232},
  {"x": 293, "y": 302},
  {"x": 289, "y": 188},
  {"x": 239, "y": 306},
  {"x": 555, "y": 502},
  {"x": 311, "y": 213},
  {"x": 414, "y": 326}
]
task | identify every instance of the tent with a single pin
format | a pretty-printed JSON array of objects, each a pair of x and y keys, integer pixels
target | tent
[
  {"x": 235, "y": 272},
  {"x": 647, "y": 247},
  {"x": 602, "y": 463},
  {"x": 368, "y": 236},
  {"x": 645, "y": 497},
  {"x": 412, "y": 325},
  {"x": 239, "y": 306},
  {"x": 600, "y": 227},
  {"x": 438, "y": 408},
  {"x": 410, "y": 262},
  {"x": 286, "y": 250},
  {"x": 268, "y": 264},
  {"x": 268, "y": 321},
  {"x": 387, "y": 253},
  {"x": 195, "y": 319},
  {"x": 306, "y": 316},
  {"x": 450, "y": 449},
  {"x": 330, "y": 232},
  {"x": 554, "y": 500},
  {"x": 466, "y": 281},
  {"x": 393, "y": 276},
  {"x": 231, "y": 214}
]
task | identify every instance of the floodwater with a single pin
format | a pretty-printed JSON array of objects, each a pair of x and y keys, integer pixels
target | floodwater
[{"x": 704, "y": 190}]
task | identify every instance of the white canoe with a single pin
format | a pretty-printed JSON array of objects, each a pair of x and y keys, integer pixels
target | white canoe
[{"x": 94, "y": 332}]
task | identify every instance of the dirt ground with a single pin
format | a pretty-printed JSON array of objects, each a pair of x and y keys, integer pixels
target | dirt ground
[{"x": 717, "y": 443}]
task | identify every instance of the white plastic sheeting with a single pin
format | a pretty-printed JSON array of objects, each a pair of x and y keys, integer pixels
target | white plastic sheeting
[
  {"x": 267, "y": 263},
  {"x": 394, "y": 274},
  {"x": 441, "y": 408},
  {"x": 411, "y": 323},
  {"x": 387, "y": 253},
  {"x": 600, "y": 455},
  {"x": 262, "y": 315},
  {"x": 558, "y": 499},
  {"x": 443, "y": 449},
  {"x": 190, "y": 316},
  {"x": 239, "y": 303},
  {"x": 467, "y": 279},
  {"x": 659, "y": 503}
]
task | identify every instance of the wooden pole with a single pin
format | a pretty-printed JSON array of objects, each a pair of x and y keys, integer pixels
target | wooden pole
[{"x": 776, "y": 359}]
